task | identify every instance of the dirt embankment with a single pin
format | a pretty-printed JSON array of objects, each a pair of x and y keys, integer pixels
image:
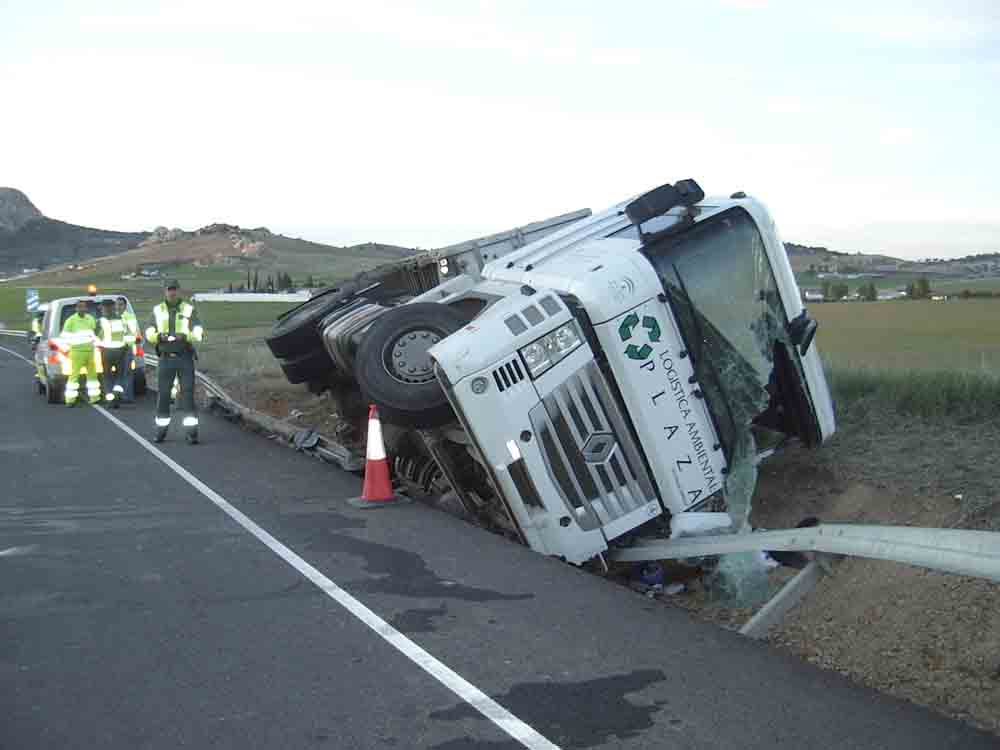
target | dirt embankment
[{"x": 922, "y": 636}]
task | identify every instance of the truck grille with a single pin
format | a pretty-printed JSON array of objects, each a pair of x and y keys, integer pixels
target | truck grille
[{"x": 589, "y": 450}]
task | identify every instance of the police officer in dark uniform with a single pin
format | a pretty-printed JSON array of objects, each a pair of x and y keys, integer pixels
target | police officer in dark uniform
[{"x": 174, "y": 330}]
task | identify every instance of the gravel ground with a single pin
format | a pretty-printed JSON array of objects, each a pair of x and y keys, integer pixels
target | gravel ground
[{"x": 923, "y": 636}]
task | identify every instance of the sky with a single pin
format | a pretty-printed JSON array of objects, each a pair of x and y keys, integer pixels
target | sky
[{"x": 863, "y": 126}]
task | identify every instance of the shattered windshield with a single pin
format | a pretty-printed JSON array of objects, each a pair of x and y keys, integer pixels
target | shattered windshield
[{"x": 725, "y": 299}]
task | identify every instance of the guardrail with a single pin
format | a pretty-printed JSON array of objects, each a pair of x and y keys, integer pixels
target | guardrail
[{"x": 324, "y": 447}]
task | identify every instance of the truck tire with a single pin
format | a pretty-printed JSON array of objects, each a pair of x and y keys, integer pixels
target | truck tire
[
  {"x": 314, "y": 365},
  {"x": 393, "y": 367},
  {"x": 294, "y": 334}
]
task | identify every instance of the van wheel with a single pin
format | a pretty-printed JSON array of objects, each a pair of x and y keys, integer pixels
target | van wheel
[
  {"x": 53, "y": 394},
  {"x": 394, "y": 369}
]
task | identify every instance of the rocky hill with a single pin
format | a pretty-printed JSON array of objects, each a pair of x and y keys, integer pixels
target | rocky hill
[
  {"x": 29, "y": 239},
  {"x": 16, "y": 210}
]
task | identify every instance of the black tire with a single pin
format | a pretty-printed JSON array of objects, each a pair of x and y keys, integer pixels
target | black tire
[
  {"x": 295, "y": 334},
  {"x": 54, "y": 393},
  {"x": 139, "y": 383},
  {"x": 407, "y": 396},
  {"x": 314, "y": 365}
]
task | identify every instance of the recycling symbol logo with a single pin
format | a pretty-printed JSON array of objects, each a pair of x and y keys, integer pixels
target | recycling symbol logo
[{"x": 627, "y": 328}]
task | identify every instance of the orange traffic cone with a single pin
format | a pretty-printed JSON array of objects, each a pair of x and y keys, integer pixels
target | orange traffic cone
[{"x": 377, "y": 490}]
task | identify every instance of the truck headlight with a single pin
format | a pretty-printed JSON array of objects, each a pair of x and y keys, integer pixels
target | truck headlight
[{"x": 540, "y": 355}]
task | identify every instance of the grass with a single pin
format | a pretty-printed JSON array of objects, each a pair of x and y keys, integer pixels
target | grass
[
  {"x": 959, "y": 396},
  {"x": 893, "y": 281},
  {"x": 144, "y": 295},
  {"x": 223, "y": 316},
  {"x": 12, "y": 312},
  {"x": 955, "y": 336}
]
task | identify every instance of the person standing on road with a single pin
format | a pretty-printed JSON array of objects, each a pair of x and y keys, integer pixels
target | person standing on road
[
  {"x": 132, "y": 339},
  {"x": 113, "y": 349},
  {"x": 174, "y": 330},
  {"x": 79, "y": 332}
]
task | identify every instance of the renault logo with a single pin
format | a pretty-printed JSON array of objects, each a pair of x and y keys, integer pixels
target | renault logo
[{"x": 597, "y": 448}]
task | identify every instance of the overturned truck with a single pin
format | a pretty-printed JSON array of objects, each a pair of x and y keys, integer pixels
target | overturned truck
[{"x": 583, "y": 383}]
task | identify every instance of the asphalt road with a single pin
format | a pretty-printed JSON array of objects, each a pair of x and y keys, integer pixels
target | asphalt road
[{"x": 138, "y": 612}]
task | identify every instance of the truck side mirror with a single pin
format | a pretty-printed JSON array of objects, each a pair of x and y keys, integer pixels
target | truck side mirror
[{"x": 802, "y": 331}]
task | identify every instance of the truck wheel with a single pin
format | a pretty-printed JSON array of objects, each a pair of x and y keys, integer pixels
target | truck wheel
[
  {"x": 396, "y": 372},
  {"x": 313, "y": 365},
  {"x": 295, "y": 334}
]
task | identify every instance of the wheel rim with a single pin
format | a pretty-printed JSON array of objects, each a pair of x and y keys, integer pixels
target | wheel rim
[{"x": 406, "y": 358}]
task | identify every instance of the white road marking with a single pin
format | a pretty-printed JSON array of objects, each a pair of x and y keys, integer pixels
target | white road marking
[
  {"x": 15, "y": 551},
  {"x": 465, "y": 690},
  {"x": 19, "y": 356}
]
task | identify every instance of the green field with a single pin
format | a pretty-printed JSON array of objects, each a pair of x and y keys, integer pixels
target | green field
[
  {"x": 956, "y": 336},
  {"x": 217, "y": 316},
  {"x": 900, "y": 281}
]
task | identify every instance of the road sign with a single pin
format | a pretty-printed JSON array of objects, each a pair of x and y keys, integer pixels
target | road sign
[{"x": 31, "y": 300}]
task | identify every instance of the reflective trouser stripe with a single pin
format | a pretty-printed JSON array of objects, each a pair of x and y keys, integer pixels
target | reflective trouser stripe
[
  {"x": 162, "y": 421},
  {"x": 190, "y": 421}
]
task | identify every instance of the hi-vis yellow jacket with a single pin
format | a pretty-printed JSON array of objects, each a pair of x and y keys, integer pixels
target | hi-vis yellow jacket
[
  {"x": 171, "y": 320},
  {"x": 79, "y": 332}
]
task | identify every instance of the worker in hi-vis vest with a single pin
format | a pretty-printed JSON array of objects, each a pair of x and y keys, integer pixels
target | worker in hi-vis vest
[
  {"x": 79, "y": 334},
  {"x": 174, "y": 331},
  {"x": 113, "y": 344},
  {"x": 133, "y": 337}
]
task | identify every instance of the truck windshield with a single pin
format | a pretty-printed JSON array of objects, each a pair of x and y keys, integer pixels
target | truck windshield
[{"x": 725, "y": 299}]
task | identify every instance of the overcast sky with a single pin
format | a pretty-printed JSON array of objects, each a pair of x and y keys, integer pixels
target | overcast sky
[{"x": 863, "y": 125}]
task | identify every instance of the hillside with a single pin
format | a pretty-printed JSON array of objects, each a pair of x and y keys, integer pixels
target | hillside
[
  {"x": 15, "y": 210},
  {"x": 215, "y": 254},
  {"x": 29, "y": 239},
  {"x": 223, "y": 254}
]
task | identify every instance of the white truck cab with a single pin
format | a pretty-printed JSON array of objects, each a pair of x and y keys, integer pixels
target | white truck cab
[
  {"x": 625, "y": 367},
  {"x": 631, "y": 367}
]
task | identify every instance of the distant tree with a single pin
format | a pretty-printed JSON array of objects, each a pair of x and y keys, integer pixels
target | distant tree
[
  {"x": 867, "y": 292},
  {"x": 310, "y": 282},
  {"x": 827, "y": 290},
  {"x": 249, "y": 285},
  {"x": 230, "y": 287},
  {"x": 839, "y": 291},
  {"x": 923, "y": 288},
  {"x": 256, "y": 279}
]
